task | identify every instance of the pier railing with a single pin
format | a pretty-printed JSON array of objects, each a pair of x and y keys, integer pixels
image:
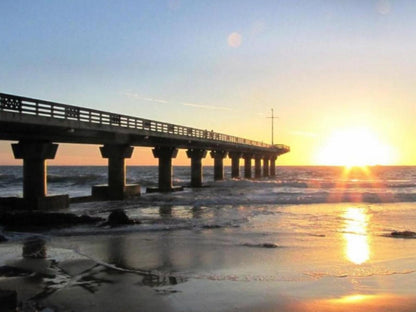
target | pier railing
[{"x": 29, "y": 106}]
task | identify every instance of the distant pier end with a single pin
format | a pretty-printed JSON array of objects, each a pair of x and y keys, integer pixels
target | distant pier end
[{"x": 39, "y": 125}]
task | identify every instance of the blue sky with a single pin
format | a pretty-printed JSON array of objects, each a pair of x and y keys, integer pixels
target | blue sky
[{"x": 319, "y": 64}]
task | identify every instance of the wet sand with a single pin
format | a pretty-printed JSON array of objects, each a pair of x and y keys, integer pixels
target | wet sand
[
  {"x": 346, "y": 262},
  {"x": 84, "y": 285}
]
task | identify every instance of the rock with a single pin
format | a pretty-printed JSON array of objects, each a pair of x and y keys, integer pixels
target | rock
[
  {"x": 211, "y": 226},
  {"x": 8, "y": 300},
  {"x": 34, "y": 247},
  {"x": 173, "y": 280},
  {"x": 270, "y": 245},
  {"x": 262, "y": 245},
  {"x": 118, "y": 217},
  {"x": 35, "y": 219},
  {"x": 406, "y": 234}
]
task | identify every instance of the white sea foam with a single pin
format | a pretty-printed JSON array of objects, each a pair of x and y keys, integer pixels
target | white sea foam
[{"x": 292, "y": 185}]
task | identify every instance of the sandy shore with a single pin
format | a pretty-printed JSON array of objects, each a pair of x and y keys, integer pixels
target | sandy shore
[
  {"x": 245, "y": 268},
  {"x": 85, "y": 285}
]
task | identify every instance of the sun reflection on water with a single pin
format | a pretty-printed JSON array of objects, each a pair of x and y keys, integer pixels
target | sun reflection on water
[{"x": 357, "y": 247}]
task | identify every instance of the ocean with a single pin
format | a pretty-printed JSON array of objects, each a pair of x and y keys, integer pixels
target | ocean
[
  {"x": 292, "y": 185},
  {"x": 224, "y": 200},
  {"x": 308, "y": 235}
]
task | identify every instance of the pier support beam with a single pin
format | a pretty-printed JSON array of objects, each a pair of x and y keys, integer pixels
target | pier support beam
[
  {"x": 196, "y": 156},
  {"x": 34, "y": 155},
  {"x": 165, "y": 155},
  {"x": 257, "y": 166},
  {"x": 266, "y": 165},
  {"x": 235, "y": 164},
  {"x": 273, "y": 165},
  {"x": 218, "y": 156},
  {"x": 247, "y": 165},
  {"x": 117, "y": 188}
]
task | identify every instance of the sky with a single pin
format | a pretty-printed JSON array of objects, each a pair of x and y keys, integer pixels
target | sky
[{"x": 340, "y": 75}]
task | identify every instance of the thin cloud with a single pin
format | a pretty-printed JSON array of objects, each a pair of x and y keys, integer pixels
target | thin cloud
[
  {"x": 161, "y": 101},
  {"x": 144, "y": 98},
  {"x": 211, "y": 107}
]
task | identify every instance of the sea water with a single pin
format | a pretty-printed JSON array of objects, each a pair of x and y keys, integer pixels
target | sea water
[
  {"x": 292, "y": 185},
  {"x": 306, "y": 225},
  {"x": 232, "y": 202}
]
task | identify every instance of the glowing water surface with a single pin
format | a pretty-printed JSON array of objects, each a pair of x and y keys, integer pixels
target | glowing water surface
[{"x": 357, "y": 247}]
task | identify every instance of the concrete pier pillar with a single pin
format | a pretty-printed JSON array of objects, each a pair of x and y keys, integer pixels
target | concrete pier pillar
[
  {"x": 196, "y": 156},
  {"x": 35, "y": 188},
  {"x": 273, "y": 165},
  {"x": 218, "y": 156},
  {"x": 116, "y": 154},
  {"x": 266, "y": 166},
  {"x": 247, "y": 165},
  {"x": 165, "y": 155},
  {"x": 257, "y": 166},
  {"x": 235, "y": 164},
  {"x": 34, "y": 155}
]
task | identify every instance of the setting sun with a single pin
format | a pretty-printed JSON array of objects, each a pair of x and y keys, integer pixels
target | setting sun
[{"x": 354, "y": 147}]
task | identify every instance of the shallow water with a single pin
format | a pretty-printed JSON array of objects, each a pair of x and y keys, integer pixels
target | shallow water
[
  {"x": 236, "y": 244},
  {"x": 267, "y": 254},
  {"x": 334, "y": 239}
]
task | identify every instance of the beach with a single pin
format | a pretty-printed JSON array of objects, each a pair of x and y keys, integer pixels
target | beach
[
  {"x": 232, "y": 251},
  {"x": 257, "y": 267}
]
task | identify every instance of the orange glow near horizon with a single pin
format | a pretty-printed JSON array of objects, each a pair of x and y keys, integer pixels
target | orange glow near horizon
[
  {"x": 355, "y": 147},
  {"x": 354, "y": 298}
]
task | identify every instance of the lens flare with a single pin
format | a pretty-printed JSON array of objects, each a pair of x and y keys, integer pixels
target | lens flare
[{"x": 234, "y": 40}]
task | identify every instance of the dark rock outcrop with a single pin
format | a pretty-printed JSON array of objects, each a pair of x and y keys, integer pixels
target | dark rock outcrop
[
  {"x": 118, "y": 217},
  {"x": 37, "y": 219},
  {"x": 261, "y": 245},
  {"x": 270, "y": 245},
  {"x": 403, "y": 234}
]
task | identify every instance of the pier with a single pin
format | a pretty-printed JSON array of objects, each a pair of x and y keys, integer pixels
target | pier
[{"x": 39, "y": 126}]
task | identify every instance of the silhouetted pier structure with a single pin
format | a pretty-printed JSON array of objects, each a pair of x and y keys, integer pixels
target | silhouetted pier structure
[{"x": 39, "y": 125}]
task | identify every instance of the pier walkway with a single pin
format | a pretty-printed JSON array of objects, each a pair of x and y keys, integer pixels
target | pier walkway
[{"x": 40, "y": 125}]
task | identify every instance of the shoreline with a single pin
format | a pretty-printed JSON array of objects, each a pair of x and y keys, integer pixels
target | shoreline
[
  {"x": 72, "y": 281},
  {"x": 326, "y": 257}
]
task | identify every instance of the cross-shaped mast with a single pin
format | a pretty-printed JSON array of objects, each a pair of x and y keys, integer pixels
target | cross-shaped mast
[{"x": 273, "y": 118}]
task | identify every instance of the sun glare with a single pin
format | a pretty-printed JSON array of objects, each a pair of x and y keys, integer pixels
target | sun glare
[
  {"x": 357, "y": 248},
  {"x": 354, "y": 147}
]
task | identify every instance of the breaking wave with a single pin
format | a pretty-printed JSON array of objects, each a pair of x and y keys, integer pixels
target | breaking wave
[{"x": 292, "y": 185}]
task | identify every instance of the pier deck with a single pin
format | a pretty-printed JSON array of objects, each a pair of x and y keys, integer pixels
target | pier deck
[{"x": 38, "y": 125}]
